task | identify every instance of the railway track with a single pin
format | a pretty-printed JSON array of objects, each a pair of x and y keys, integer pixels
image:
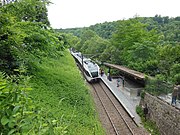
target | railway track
[{"x": 114, "y": 117}]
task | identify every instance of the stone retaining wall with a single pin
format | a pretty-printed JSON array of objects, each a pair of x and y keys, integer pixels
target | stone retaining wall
[{"x": 166, "y": 117}]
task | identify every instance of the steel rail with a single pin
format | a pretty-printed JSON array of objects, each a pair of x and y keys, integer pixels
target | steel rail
[
  {"x": 118, "y": 111},
  {"x": 115, "y": 130}
]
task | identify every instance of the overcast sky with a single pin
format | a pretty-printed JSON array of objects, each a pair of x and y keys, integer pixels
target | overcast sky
[{"x": 80, "y": 13}]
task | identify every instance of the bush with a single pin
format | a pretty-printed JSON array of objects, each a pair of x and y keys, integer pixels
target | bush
[
  {"x": 148, "y": 124},
  {"x": 142, "y": 94},
  {"x": 18, "y": 113},
  {"x": 139, "y": 111},
  {"x": 157, "y": 86}
]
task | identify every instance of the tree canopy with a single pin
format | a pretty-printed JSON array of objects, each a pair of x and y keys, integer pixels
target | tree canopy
[{"x": 25, "y": 33}]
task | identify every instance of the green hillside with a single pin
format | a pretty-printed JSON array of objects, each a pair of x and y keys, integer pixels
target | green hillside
[
  {"x": 41, "y": 90},
  {"x": 60, "y": 90}
]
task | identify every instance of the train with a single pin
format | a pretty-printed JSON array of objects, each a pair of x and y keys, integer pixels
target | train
[{"x": 90, "y": 69}]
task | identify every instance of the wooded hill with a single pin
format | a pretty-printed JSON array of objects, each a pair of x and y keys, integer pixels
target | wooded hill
[{"x": 147, "y": 44}]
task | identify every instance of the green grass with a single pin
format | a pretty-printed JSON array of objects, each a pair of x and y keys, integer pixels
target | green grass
[
  {"x": 148, "y": 124},
  {"x": 58, "y": 88}
]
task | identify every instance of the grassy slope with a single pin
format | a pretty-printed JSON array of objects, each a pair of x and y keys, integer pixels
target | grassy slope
[{"x": 59, "y": 88}]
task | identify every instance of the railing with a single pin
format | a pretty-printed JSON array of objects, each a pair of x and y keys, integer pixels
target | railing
[{"x": 157, "y": 87}]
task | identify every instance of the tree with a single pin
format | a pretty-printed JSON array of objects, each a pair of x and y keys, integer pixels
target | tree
[
  {"x": 168, "y": 59},
  {"x": 134, "y": 41},
  {"x": 95, "y": 45},
  {"x": 28, "y": 10},
  {"x": 68, "y": 39},
  {"x": 23, "y": 40},
  {"x": 86, "y": 35}
]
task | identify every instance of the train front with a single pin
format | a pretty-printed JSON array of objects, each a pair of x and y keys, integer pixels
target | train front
[{"x": 92, "y": 70}]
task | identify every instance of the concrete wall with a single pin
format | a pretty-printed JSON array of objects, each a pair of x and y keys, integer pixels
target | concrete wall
[{"x": 166, "y": 116}]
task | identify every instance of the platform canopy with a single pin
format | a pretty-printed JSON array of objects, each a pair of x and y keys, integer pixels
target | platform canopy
[{"x": 133, "y": 73}]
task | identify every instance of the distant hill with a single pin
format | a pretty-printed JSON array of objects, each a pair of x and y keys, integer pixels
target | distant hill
[{"x": 169, "y": 27}]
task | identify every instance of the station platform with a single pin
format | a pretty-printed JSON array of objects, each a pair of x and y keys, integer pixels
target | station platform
[{"x": 127, "y": 98}]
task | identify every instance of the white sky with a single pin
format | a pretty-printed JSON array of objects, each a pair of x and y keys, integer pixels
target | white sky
[{"x": 80, "y": 13}]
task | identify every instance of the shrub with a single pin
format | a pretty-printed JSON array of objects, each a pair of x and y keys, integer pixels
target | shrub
[
  {"x": 158, "y": 85},
  {"x": 19, "y": 114},
  {"x": 142, "y": 94},
  {"x": 148, "y": 124},
  {"x": 139, "y": 111}
]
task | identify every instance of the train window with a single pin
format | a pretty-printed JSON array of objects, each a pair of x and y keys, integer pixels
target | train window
[
  {"x": 85, "y": 62},
  {"x": 87, "y": 73},
  {"x": 94, "y": 74},
  {"x": 92, "y": 62}
]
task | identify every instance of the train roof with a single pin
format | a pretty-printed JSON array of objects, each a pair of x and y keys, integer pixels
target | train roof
[
  {"x": 87, "y": 61},
  {"x": 90, "y": 64}
]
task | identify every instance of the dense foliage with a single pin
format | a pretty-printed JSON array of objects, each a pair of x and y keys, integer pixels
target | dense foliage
[
  {"x": 23, "y": 34},
  {"x": 38, "y": 93},
  {"x": 24, "y": 38},
  {"x": 136, "y": 45},
  {"x": 19, "y": 114}
]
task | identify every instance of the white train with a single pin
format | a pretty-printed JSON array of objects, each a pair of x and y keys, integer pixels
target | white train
[{"x": 90, "y": 69}]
